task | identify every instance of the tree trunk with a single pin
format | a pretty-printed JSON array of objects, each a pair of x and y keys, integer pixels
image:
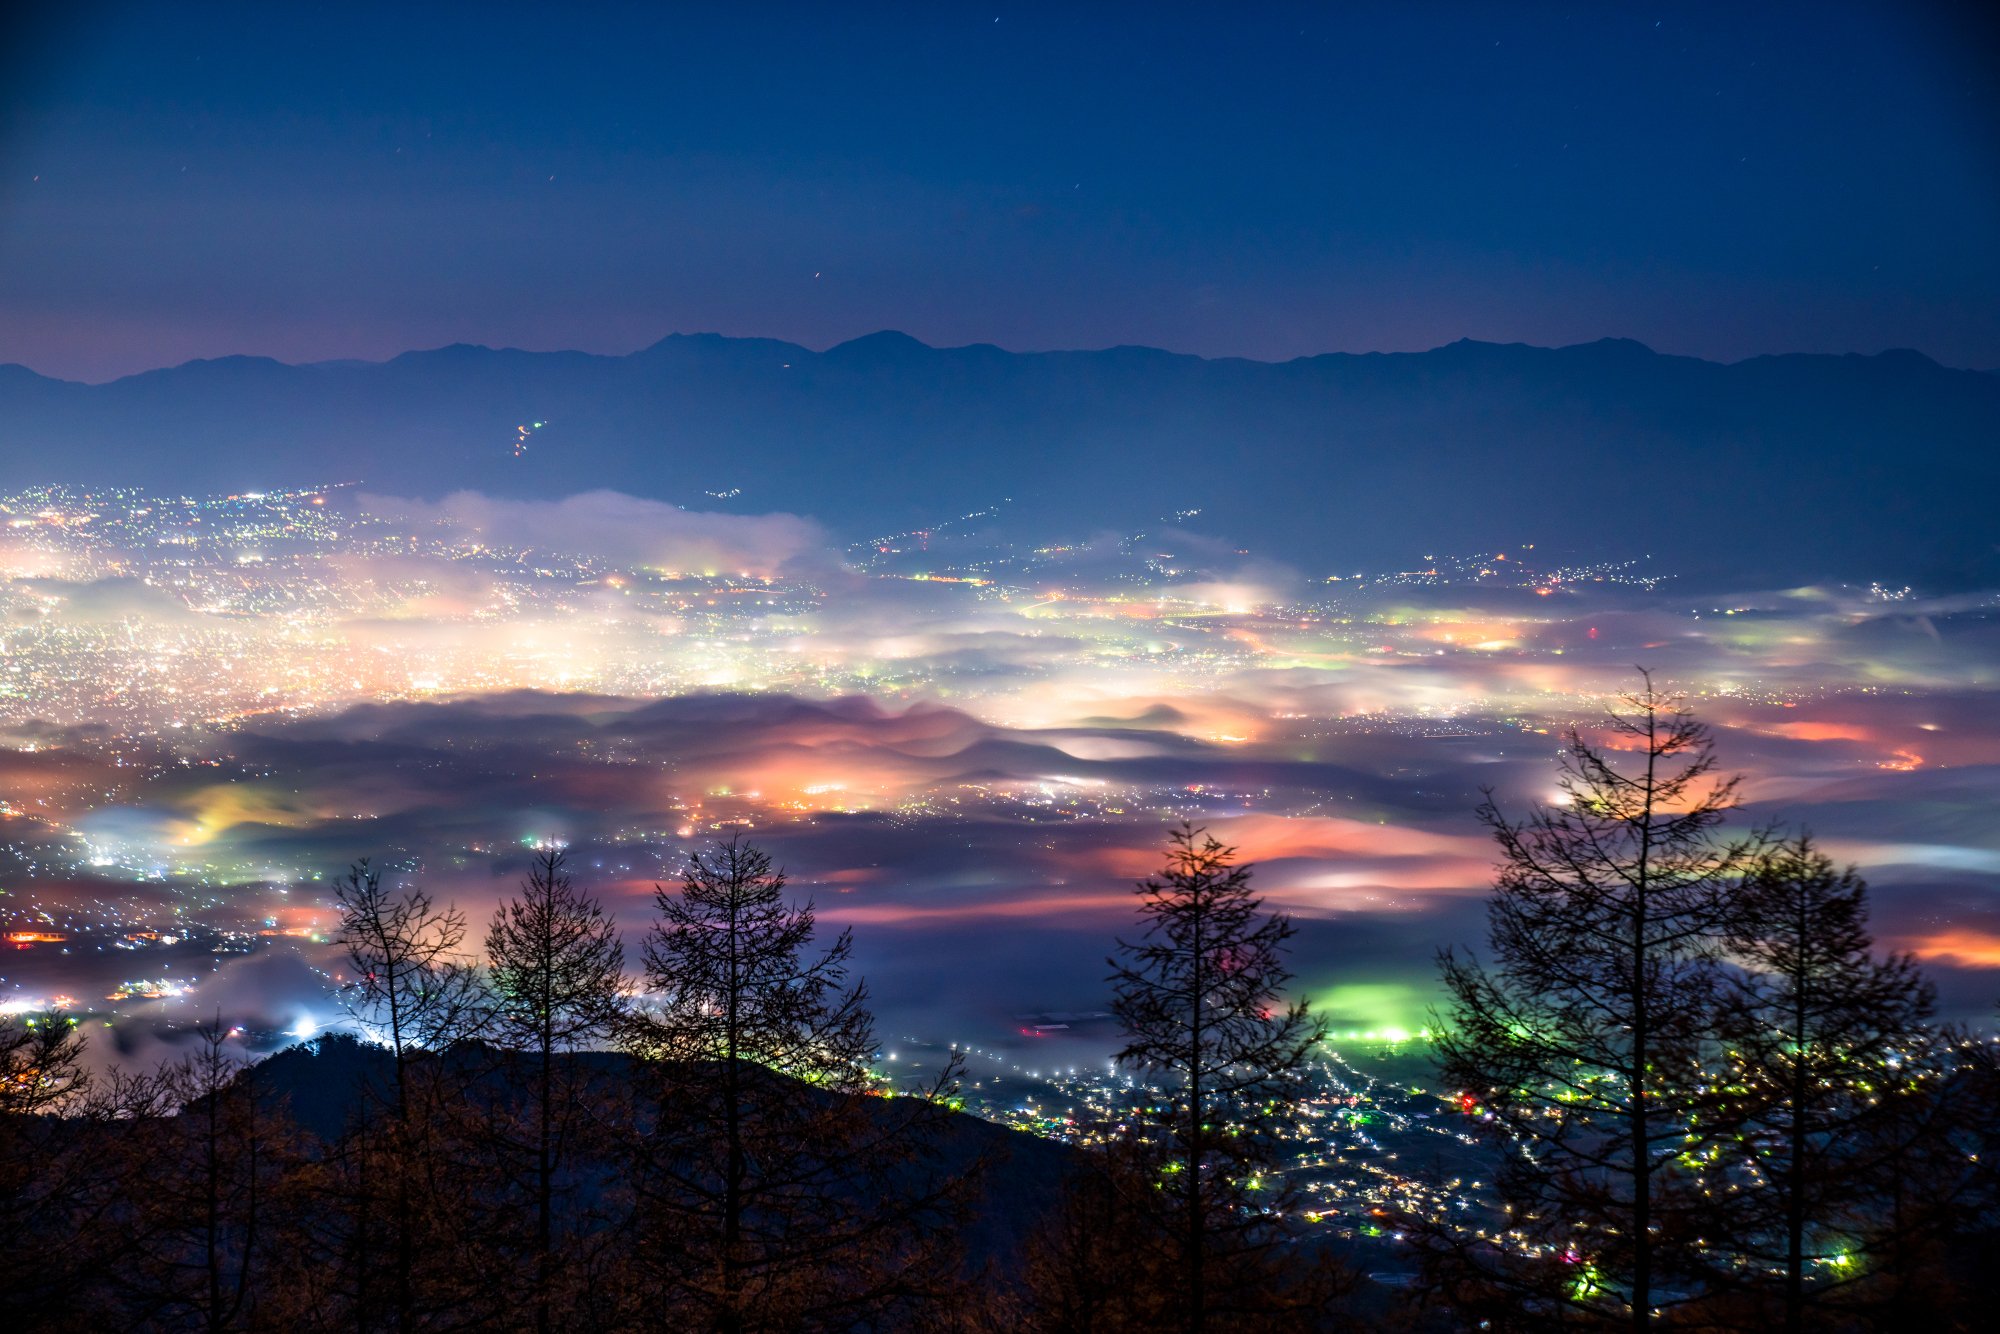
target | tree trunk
[
  {"x": 732, "y": 1182},
  {"x": 1795, "y": 1203},
  {"x": 213, "y": 1204},
  {"x": 1197, "y": 1278},
  {"x": 1642, "y": 1144},
  {"x": 544, "y": 1190}
]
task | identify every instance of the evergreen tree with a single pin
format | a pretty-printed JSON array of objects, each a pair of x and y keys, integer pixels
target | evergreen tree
[
  {"x": 1833, "y": 1073},
  {"x": 1198, "y": 997},
  {"x": 1589, "y": 1035},
  {"x": 557, "y": 967},
  {"x": 772, "y": 1194}
]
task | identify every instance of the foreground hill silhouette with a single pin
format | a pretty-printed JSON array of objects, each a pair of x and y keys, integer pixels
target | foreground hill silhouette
[
  {"x": 272, "y": 1200},
  {"x": 1783, "y": 468},
  {"x": 305, "y": 1190},
  {"x": 328, "y": 1086}
]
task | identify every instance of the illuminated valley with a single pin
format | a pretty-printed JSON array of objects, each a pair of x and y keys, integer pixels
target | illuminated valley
[{"x": 213, "y": 704}]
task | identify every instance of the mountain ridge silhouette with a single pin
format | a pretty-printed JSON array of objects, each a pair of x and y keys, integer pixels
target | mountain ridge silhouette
[{"x": 1787, "y": 468}]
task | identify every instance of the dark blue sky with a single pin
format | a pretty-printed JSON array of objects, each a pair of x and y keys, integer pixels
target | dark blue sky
[{"x": 1265, "y": 180}]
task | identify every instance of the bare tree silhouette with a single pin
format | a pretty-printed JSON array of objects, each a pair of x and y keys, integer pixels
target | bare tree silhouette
[
  {"x": 414, "y": 988},
  {"x": 210, "y": 1181}
]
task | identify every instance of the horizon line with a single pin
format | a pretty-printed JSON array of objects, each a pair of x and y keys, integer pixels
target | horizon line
[{"x": 902, "y": 336}]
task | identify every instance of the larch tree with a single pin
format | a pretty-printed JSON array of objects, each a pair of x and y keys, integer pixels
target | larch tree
[
  {"x": 1199, "y": 996},
  {"x": 1587, "y": 1036},
  {"x": 556, "y": 974},
  {"x": 772, "y": 1193},
  {"x": 1833, "y": 1073}
]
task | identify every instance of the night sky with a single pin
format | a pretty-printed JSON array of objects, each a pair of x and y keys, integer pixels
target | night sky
[{"x": 1267, "y": 181}]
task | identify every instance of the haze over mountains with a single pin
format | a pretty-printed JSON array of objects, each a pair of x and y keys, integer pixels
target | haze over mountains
[{"x": 1777, "y": 469}]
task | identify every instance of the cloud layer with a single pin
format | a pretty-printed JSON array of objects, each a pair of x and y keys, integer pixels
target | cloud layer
[{"x": 622, "y": 529}]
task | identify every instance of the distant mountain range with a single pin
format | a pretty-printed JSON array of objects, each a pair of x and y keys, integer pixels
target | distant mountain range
[{"x": 1782, "y": 468}]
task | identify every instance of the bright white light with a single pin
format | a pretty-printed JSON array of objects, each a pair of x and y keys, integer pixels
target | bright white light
[{"x": 305, "y": 1027}]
